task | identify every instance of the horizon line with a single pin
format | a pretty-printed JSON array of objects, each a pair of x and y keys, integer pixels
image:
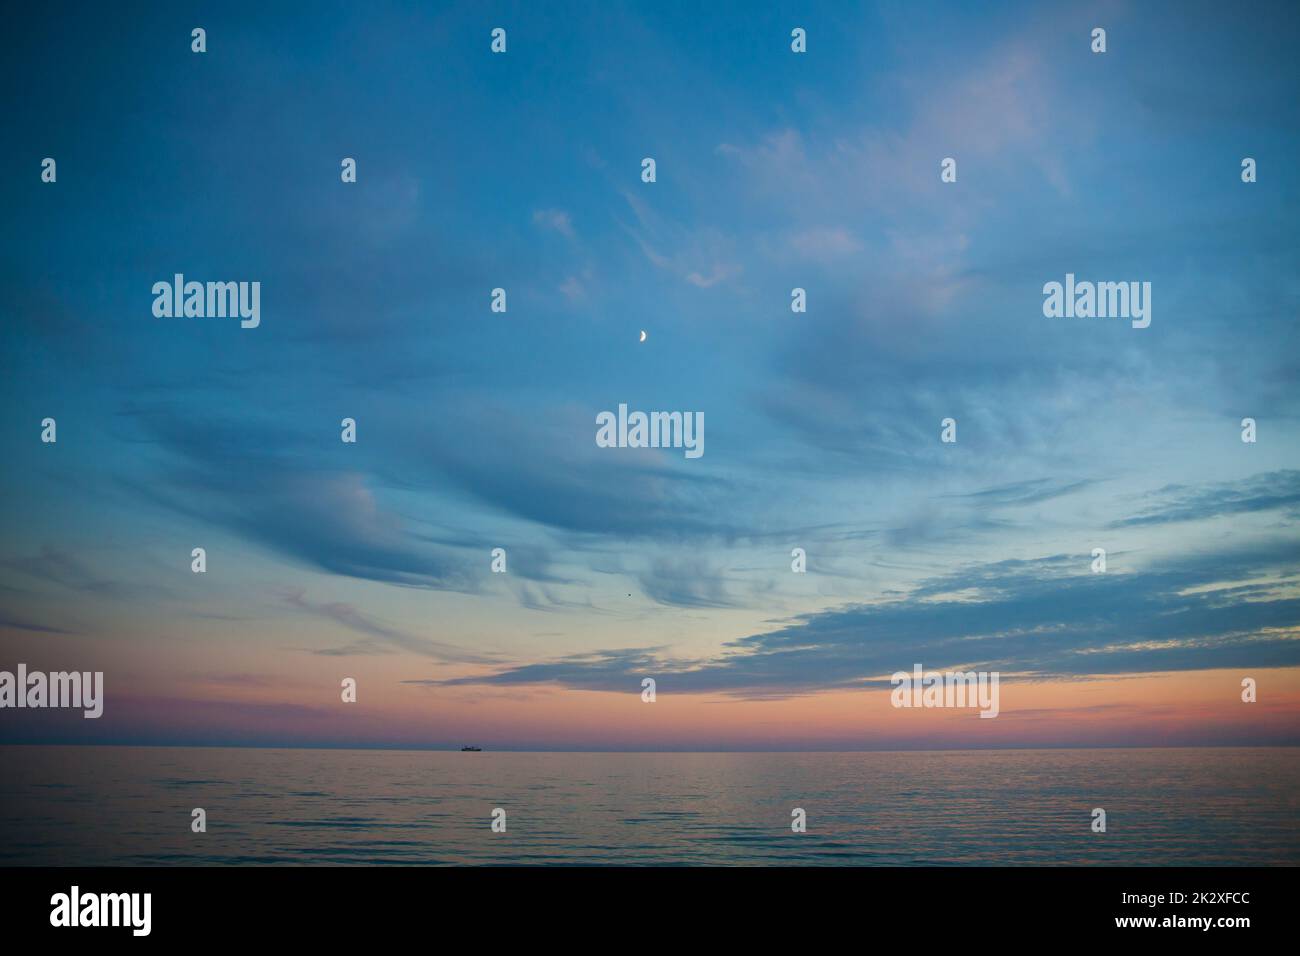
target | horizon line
[{"x": 449, "y": 749}]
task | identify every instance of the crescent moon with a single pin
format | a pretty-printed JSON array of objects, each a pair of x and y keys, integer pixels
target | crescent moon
[{"x": 643, "y": 335}]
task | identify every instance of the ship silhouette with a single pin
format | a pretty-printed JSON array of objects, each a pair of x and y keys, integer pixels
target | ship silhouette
[{"x": 475, "y": 749}]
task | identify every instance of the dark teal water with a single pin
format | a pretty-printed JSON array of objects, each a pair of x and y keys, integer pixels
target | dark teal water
[{"x": 132, "y": 806}]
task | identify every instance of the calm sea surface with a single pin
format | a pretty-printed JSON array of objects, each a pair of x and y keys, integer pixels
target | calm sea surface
[{"x": 131, "y": 806}]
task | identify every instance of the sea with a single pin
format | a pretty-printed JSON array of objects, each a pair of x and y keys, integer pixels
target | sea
[{"x": 135, "y": 806}]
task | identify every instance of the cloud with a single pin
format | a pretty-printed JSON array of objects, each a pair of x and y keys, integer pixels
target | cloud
[
  {"x": 1044, "y": 618},
  {"x": 602, "y": 670},
  {"x": 347, "y": 615},
  {"x": 263, "y": 485},
  {"x": 1030, "y": 492},
  {"x": 570, "y": 484},
  {"x": 702, "y": 256},
  {"x": 573, "y": 289},
  {"x": 685, "y": 582},
  {"x": 64, "y": 568},
  {"x": 720, "y": 273},
  {"x": 361, "y": 648},
  {"x": 1272, "y": 491},
  {"x": 554, "y": 219},
  {"x": 825, "y": 242},
  {"x": 1002, "y": 104},
  {"x": 24, "y": 624}
]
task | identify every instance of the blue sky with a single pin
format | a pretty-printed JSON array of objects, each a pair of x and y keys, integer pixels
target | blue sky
[{"x": 476, "y": 430}]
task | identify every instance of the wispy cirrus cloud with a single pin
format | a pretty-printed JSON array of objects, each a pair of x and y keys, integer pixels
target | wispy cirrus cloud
[
  {"x": 1273, "y": 491},
  {"x": 1030, "y": 492},
  {"x": 389, "y": 637},
  {"x": 64, "y": 568},
  {"x": 557, "y": 220},
  {"x": 271, "y": 487}
]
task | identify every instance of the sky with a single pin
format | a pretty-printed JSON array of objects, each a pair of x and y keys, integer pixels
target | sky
[{"x": 476, "y": 429}]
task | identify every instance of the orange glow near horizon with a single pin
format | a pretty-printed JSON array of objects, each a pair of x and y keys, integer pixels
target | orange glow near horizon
[{"x": 1182, "y": 709}]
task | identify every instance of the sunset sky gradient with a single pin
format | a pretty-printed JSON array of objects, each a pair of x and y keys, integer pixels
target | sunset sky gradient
[{"x": 476, "y": 430}]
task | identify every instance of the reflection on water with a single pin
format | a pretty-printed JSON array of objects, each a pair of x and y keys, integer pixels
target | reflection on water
[{"x": 131, "y": 806}]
